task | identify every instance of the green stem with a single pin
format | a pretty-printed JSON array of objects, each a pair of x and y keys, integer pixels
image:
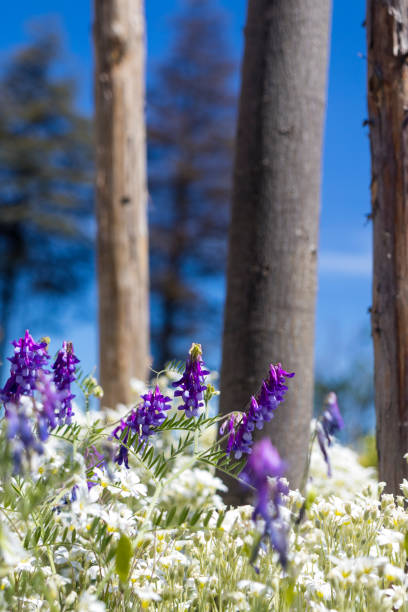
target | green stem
[{"x": 51, "y": 560}]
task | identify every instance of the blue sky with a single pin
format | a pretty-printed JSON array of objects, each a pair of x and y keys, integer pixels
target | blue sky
[{"x": 345, "y": 237}]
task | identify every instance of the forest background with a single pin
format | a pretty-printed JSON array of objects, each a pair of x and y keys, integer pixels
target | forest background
[{"x": 343, "y": 347}]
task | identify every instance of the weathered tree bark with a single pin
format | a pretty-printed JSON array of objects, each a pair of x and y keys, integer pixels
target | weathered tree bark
[
  {"x": 271, "y": 287},
  {"x": 387, "y": 44},
  {"x": 121, "y": 195}
]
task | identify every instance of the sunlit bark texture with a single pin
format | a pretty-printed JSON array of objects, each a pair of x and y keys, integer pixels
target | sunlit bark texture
[
  {"x": 271, "y": 288},
  {"x": 121, "y": 195},
  {"x": 387, "y": 71}
]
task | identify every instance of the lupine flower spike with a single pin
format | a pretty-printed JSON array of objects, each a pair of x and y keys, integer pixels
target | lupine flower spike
[
  {"x": 263, "y": 464},
  {"x": 191, "y": 384},
  {"x": 143, "y": 421},
  {"x": 29, "y": 358},
  {"x": 64, "y": 374},
  {"x": 330, "y": 422},
  {"x": 261, "y": 409},
  {"x": 27, "y": 364}
]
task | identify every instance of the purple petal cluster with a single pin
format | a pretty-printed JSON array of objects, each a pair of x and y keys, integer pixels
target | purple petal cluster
[
  {"x": 64, "y": 374},
  {"x": 230, "y": 425},
  {"x": 30, "y": 378},
  {"x": 29, "y": 358},
  {"x": 191, "y": 384},
  {"x": 261, "y": 409},
  {"x": 265, "y": 463},
  {"x": 143, "y": 421},
  {"x": 330, "y": 422},
  {"x": 51, "y": 400}
]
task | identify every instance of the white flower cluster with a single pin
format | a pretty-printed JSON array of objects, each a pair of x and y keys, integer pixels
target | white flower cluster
[
  {"x": 66, "y": 533},
  {"x": 349, "y": 477}
]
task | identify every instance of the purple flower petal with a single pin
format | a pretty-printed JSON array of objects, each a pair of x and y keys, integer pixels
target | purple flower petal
[{"x": 192, "y": 382}]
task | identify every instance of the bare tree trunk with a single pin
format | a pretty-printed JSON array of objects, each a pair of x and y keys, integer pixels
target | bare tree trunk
[
  {"x": 271, "y": 289},
  {"x": 10, "y": 275},
  {"x": 121, "y": 195},
  {"x": 387, "y": 43}
]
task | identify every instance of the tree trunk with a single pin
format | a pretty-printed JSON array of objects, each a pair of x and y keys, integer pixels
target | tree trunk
[
  {"x": 271, "y": 287},
  {"x": 121, "y": 195},
  {"x": 387, "y": 43},
  {"x": 10, "y": 274}
]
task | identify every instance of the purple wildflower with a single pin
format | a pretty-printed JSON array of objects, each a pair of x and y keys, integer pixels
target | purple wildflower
[
  {"x": 230, "y": 425},
  {"x": 154, "y": 406},
  {"x": 64, "y": 374},
  {"x": 330, "y": 422},
  {"x": 192, "y": 382},
  {"x": 51, "y": 399},
  {"x": 27, "y": 366},
  {"x": 123, "y": 455},
  {"x": 143, "y": 421},
  {"x": 261, "y": 409},
  {"x": 265, "y": 463},
  {"x": 28, "y": 360},
  {"x": 93, "y": 459},
  {"x": 241, "y": 440},
  {"x": 20, "y": 432}
]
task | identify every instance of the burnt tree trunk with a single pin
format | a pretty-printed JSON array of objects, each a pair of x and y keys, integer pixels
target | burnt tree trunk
[
  {"x": 387, "y": 44},
  {"x": 119, "y": 40},
  {"x": 271, "y": 286}
]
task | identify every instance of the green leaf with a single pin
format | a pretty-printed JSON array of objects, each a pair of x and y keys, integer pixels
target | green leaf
[
  {"x": 175, "y": 366},
  {"x": 123, "y": 557},
  {"x": 170, "y": 515},
  {"x": 37, "y": 534},
  {"x": 54, "y": 535},
  {"x": 220, "y": 519},
  {"x": 47, "y": 533},
  {"x": 27, "y": 539},
  {"x": 94, "y": 524},
  {"x": 183, "y": 515},
  {"x": 207, "y": 518},
  {"x": 157, "y": 518},
  {"x": 406, "y": 543},
  {"x": 193, "y": 520}
]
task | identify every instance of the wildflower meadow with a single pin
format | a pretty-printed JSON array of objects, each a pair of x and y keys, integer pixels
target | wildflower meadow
[{"x": 123, "y": 510}]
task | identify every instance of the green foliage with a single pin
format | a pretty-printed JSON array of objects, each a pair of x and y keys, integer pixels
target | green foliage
[
  {"x": 52, "y": 515},
  {"x": 176, "y": 366},
  {"x": 123, "y": 557},
  {"x": 162, "y": 540},
  {"x": 75, "y": 536}
]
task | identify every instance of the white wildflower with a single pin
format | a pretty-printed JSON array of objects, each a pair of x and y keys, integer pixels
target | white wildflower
[
  {"x": 146, "y": 596},
  {"x": 11, "y": 549},
  {"x": 88, "y": 602}
]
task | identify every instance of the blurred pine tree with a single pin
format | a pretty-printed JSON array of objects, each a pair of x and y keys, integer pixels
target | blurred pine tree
[
  {"x": 191, "y": 112},
  {"x": 46, "y": 196}
]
